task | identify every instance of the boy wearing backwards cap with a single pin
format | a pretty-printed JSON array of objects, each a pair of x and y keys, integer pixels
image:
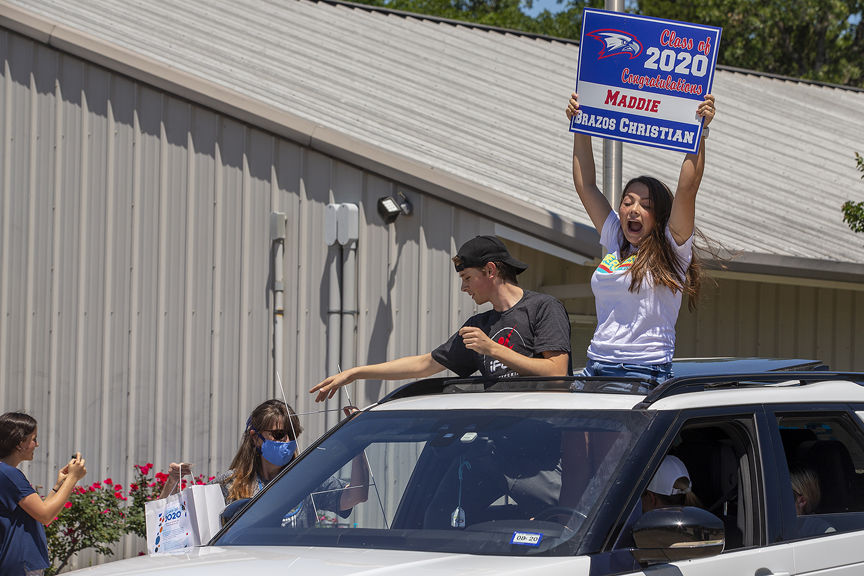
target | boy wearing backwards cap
[{"x": 525, "y": 333}]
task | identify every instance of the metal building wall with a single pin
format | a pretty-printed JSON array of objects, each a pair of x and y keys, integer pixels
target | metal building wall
[
  {"x": 737, "y": 315},
  {"x": 135, "y": 268},
  {"x": 133, "y": 297},
  {"x": 772, "y": 319}
]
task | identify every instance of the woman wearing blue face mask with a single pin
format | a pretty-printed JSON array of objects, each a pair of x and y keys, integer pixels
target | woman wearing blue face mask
[{"x": 269, "y": 443}]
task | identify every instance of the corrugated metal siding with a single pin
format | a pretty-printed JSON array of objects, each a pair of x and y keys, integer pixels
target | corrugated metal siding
[
  {"x": 739, "y": 318},
  {"x": 733, "y": 318},
  {"x": 488, "y": 106},
  {"x": 137, "y": 316}
]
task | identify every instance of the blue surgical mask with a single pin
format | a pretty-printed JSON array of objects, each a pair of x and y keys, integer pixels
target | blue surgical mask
[{"x": 278, "y": 453}]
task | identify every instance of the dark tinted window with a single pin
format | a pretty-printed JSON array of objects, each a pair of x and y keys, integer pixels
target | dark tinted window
[
  {"x": 472, "y": 481},
  {"x": 719, "y": 455},
  {"x": 825, "y": 465}
]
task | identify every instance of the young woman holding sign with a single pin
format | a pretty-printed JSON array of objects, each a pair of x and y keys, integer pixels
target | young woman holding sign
[{"x": 650, "y": 265}]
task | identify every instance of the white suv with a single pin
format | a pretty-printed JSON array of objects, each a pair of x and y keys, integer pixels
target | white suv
[{"x": 522, "y": 476}]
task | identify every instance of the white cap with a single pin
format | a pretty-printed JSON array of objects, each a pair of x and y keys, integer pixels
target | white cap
[{"x": 671, "y": 469}]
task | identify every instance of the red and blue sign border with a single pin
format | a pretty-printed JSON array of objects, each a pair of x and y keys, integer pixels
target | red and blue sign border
[{"x": 600, "y": 67}]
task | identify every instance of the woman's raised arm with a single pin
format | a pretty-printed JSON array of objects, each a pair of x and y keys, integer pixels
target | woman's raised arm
[
  {"x": 683, "y": 215},
  {"x": 585, "y": 173}
]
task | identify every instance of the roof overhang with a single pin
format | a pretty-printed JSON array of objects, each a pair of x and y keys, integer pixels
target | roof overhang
[
  {"x": 469, "y": 195},
  {"x": 790, "y": 270},
  {"x": 538, "y": 228}
]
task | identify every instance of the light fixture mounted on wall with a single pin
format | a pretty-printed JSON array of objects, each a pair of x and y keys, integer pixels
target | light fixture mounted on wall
[{"x": 391, "y": 208}]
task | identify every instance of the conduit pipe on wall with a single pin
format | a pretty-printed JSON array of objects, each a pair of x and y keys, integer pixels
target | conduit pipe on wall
[
  {"x": 277, "y": 243},
  {"x": 341, "y": 226},
  {"x": 349, "y": 289},
  {"x": 334, "y": 306}
]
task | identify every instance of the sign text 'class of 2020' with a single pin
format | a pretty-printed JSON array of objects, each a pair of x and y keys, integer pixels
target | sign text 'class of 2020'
[{"x": 641, "y": 79}]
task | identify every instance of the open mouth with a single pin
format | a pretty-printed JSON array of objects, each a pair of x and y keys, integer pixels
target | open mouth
[{"x": 634, "y": 226}]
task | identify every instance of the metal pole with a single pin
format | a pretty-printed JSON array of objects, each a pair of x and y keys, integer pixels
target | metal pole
[
  {"x": 348, "y": 235},
  {"x": 349, "y": 309},
  {"x": 612, "y": 159},
  {"x": 334, "y": 306},
  {"x": 277, "y": 236}
]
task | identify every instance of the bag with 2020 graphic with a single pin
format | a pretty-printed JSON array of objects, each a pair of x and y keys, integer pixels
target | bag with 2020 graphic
[{"x": 184, "y": 519}]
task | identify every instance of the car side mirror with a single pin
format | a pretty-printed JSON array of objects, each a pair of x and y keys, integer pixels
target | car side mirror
[{"x": 677, "y": 533}]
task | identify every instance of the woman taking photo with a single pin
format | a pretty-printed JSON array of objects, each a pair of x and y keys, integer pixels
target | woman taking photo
[
  {"x": 650, "y": 262},
  {"x": 23, "y": 547}
]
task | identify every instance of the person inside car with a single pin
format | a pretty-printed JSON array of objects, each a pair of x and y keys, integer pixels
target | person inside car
[
  {"x": 807, "y": 493},
  {"x": 525, "y": 334},
  {"x": 670, "y": 486}
]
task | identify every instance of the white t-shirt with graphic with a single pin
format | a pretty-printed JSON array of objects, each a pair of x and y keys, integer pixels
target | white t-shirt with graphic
[{"x": 633, "y": 327}]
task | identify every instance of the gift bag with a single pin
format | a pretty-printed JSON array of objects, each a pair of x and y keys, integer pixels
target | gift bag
[
  {"x": 184, "y": 519},
  {"x": 205, "y": 503},
  {"x": 169, "y": 526}
]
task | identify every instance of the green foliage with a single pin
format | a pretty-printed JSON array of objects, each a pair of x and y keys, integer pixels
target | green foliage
[
  {"x": 99, "y": 515},
  {"x": 93, "y": 518},
  {"x": 820, "y": 40},
  {"x": 853, "y": 212},
  {"x": 142, "y": 490},
  {"x": 500, "y": 13},
  {"x": 564, "y": 24}
]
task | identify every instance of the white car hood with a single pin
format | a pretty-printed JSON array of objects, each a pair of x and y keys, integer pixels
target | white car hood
[{"x": 299, "y": 561}]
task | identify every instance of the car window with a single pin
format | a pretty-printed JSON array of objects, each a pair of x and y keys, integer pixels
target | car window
[
  {"x": 720, "y": 457},
  {"x": 824, "y": 479},
  {"x": 476, "y": 481}
]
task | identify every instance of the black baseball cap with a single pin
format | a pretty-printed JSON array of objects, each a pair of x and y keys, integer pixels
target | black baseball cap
[{"x": 475, "y": 253}]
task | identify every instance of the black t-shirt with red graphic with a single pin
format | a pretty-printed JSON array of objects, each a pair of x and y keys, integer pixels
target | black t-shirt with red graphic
[{"x": 537, "y": 323}]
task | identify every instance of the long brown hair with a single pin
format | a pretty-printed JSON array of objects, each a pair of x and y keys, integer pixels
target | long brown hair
[
  {"x": 655, "y": 257},
  {"x": 247, "y": 461}
]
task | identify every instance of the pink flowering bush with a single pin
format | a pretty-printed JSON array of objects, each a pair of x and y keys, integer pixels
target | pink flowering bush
[
  {"x": 94, "y": 517},
  {"x": 145, "y": 488},
  {"x": 99, "y": 515},
  {"x": 142, "y": 489}
]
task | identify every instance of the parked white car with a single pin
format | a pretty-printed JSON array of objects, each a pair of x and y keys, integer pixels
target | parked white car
[{"x": 522, "y": 476}]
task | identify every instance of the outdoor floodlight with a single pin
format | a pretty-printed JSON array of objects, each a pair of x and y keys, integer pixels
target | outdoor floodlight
[{"x": 390, "y": 208}]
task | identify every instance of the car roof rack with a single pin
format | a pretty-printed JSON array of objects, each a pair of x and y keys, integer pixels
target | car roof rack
[
  {"x": 696, "y": 367},
  {"x": 671, "y": 387},
  {"x": 689, "y": 384},
  {"x": 431, "y": 386}
]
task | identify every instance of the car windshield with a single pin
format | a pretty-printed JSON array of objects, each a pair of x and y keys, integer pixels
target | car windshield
[{"x": 504, "y": 482}]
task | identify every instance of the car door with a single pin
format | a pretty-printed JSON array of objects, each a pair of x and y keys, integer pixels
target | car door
[
  {"x": 821, "y": 451},
  {"x": 725, "y": 456}
]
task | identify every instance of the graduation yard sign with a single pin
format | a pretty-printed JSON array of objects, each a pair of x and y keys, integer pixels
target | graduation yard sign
[{"x": 641, "y": 79}]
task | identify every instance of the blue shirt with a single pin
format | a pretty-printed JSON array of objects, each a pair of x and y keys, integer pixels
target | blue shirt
[{"x": 22, "y": 539}]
